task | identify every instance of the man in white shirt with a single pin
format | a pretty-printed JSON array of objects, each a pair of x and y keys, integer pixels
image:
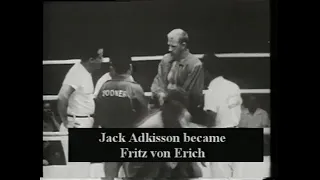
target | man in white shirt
[
  {"x": 75, "y": 99},
  {"x": 222, "y": 103},
  {"x": 252, "y": 116}
]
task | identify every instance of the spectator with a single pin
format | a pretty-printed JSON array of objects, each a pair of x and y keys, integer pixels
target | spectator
[
  {"x": 253, "y": 116},
  {"x": 52, "y": 150},
  {"x": 50, "y": 123}
]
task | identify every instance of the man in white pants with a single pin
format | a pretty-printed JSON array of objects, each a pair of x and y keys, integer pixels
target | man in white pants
[
  {"x": 222, "y": 103},
  {"x": 76, "y": 100}
]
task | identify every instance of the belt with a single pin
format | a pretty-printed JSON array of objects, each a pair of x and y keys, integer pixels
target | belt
[{"x": 91, "y": 115}]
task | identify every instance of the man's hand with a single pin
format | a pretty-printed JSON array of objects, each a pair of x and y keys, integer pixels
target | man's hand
[
  {"x": 45, "y": 162},
  {"x": 70, "y": 124},
  {"x": 161, "y": 97},
  {"x": 63, "y": 98}
]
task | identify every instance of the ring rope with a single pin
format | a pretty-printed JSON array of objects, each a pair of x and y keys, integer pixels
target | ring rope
[
  {"x": 148, "y": 94},
  {"x": 58, "y": 136},
  {"x": 153, "y": 58}
]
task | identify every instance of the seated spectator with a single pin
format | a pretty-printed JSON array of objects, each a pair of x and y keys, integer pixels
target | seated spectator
[
  {"x": 52, "y": 150},
  {"x": 252, "y": 116},
  {"x": 50, "y": 123}
]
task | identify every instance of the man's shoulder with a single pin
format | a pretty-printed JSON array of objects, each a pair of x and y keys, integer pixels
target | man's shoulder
[
  {"x": 262, "y": 111},
  {"x": 76, "y": 67},
  {"x": 76, "y": 70},
  {"x": 224, "y": 85},
  {"x": 244, "y": 111},
  {"x": 232, "y": 85},
  {"x": 194, "y": 60},
  {"x": 124, "y": 82},
  {"x": 76, "y": 75},
  {"x": 106, "y": 76},
  {"x": 121, "y": 81},
  {"x": 136, "y": 85}
]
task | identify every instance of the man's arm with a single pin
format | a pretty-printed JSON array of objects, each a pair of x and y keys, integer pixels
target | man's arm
[
  {"x": 210, "y": 107},
  {"x": 96, "y": 123},
  {"x": 234, "y": 102},
  {"x": 243, "y": 122},
  {"x": 158, "y": 86},
  {"x": 55, "y": 123},
  {"x": 98, "y": 105},
  {"x": 210, "y": 118},
  {"x": 140, "y": 101},
  {"x": 63, "y": 98},
  {"x": 265, "y": 120},
  {"x": 100, "y": 82},
  {"x": 195, "y": 83}
]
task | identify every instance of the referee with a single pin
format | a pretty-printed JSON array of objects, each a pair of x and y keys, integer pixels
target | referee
[{"x": 75, "y": 99}]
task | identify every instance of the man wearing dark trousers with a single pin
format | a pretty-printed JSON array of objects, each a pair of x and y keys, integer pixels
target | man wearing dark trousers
[{"x": 120, "y": 103}]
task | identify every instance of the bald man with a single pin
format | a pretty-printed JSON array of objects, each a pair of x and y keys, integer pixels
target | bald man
[{"x": 179, "y": 69}]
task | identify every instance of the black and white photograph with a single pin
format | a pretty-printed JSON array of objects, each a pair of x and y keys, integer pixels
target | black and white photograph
[{"x": 155, "y": 64}]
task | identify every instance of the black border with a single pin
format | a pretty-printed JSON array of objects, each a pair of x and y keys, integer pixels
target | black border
[
  {"x": 276, "y": 60},
  {"x": 23, "y": 90},
  {"x": 273, "y": 94}
]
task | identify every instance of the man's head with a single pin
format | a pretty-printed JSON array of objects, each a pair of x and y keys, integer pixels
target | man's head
[
  {"x": 252, "y": 103},
  {"x": 93, "y": 61},
  {"x": 120, "y": 64},
  {"x": 177, "y": 42},
  {"x": 46, "y": 107},
  {"x": 212, "y": 67}
]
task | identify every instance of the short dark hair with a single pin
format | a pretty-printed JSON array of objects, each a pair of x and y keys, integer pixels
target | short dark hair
[
  {"x": 210, "y": 62},
  {"x": 91, "y": 53},
  {"x": 120, "y": 63}
]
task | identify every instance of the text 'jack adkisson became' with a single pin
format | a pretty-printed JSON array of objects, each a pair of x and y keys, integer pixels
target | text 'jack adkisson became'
[{"x": 152, "y": 137}]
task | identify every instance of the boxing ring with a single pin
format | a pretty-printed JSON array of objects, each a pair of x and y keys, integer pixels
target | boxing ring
[{"x": 254, "y": 170}]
